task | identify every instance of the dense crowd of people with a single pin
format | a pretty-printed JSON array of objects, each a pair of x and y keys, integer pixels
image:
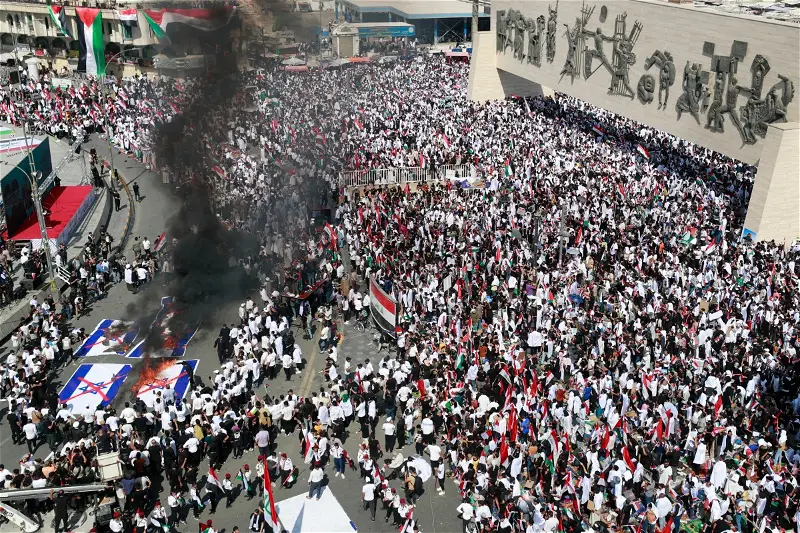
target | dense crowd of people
[{"x": 583, "y": 340}]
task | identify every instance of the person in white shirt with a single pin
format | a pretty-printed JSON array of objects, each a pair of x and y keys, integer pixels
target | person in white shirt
[
  {"x": 389, "y": 438},
  {"x": 31, "y": 435},
  {"x": 315, "y": 482},
  {"x": 368, "y": 497},
  {"x": 466, "y": 512}
]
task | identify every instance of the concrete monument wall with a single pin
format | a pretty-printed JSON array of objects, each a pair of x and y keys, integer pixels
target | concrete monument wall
[
  {"x": 718, "y": 80},
  {"x": 689, "y": 72}
]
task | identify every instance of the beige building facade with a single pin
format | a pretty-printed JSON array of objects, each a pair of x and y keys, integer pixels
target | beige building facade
[{"x": 722, "y": 81}]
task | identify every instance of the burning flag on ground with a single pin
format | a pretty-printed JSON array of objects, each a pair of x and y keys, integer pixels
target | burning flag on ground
[
  {"x": 110, "y": 337},
  {"x": 159, "y": 374},
  {"x": 168, "y": 342}
]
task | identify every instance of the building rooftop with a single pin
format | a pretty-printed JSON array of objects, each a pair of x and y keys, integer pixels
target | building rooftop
[
  {"x": 785, "y": 11},
  {"x": 415, "y": 9}
]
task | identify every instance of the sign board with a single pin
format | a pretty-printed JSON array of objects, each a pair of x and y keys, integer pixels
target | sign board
[
  {"x": 63, "y": 83},
  {"x": 447, "y": 283},
  {"x": 386, "y": 31}
]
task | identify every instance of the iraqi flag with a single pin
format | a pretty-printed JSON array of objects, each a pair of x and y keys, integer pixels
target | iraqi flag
[
  {"x": 92, "y": 58},
  {"x": 128, "y": 17},
  {"x": 359, "y": 126},
  {"x": 642, "y": 150},
  {"x": 200, "y": 19},
  {"x": 598, "y": 130},
  {"x": 422, "y": 161},
  {"x": 212, "y": 478},
  {"x": 59, "y": 16},
  {"x": 270, "y": 513},
  {"x": 159, "y": 244}
]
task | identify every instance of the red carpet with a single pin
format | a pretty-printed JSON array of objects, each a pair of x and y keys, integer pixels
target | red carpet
[{"x": 62, "y": 203}]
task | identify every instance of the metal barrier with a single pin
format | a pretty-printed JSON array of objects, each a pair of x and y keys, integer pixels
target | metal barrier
[{"x": 400, "y": 175}]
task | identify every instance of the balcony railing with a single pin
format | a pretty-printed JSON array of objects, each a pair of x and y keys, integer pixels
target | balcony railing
[{"x": 401, "y": 175}]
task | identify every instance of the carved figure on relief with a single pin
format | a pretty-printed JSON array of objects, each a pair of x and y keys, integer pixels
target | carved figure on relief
[
  {"x": 623, "y": 58},
  {"x": 511, "y": 20},
  {"x": 501, "y": 30},
  {"x": 693, "y": 91},
  {"x": 519, "y": 38},
  {"x": 535, "y": 33},
  {"x": 725, "y": 82},
  {"x": 552, "y": 25},
  {"x": 573, "y": 36},
  {"x": 666, "y": 74},
  {"x": 758, "y": 114},
  {"x": 597, "y": 53},
  {"x": 646, "y": 88}
]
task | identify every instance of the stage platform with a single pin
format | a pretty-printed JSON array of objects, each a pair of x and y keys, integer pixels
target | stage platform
[{"x": 66, "y": 206}]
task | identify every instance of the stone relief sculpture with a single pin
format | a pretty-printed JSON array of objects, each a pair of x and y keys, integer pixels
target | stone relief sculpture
[
  {"x": 501, "y": 30},
  {"x": 623, "y": 58},
  {"x": 666, "y": 74},
  {"x": 646, "y": 88},
  {"x": 552, "y": 25},
  {"x": 588, "y": 52},
  {"x": 758, "y": 113},
  {"x": 511, "y": 20},
  {"x": 535, "y": 33},
  {"x": 574, "y": 40},
  {"x": 693, "y": 90},
  {"x": 519, "y": 38}
]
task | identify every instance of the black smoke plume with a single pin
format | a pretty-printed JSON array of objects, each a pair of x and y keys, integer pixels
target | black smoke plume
[{"x": 208, "y": 258}]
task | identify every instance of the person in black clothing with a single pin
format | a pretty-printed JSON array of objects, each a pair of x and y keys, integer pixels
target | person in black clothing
[
  {"x": 60, "y": 501},
  {"x": 16, "y": 427},
  {"x": 136, "y": 195},
  {"x": 117, "y": 201}
]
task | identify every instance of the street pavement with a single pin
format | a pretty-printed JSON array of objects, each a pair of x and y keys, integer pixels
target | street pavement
[{"x": 435, "y": 513}]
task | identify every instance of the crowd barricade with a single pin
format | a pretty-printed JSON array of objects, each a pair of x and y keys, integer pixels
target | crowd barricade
[{"x": 401, "y": 175}]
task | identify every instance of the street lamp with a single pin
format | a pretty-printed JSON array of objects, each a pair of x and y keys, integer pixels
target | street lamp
[
  {"x": 37, "y": 205},
  {"x": 105, "y": 117}
]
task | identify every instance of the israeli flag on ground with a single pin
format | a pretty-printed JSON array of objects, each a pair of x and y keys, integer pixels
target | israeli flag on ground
[
  {"x": 171, "y": 342},
  {"x": 93, "y": 386},
  {"x": 174, "y": 376},
  {"x": 110, "y": 337}
]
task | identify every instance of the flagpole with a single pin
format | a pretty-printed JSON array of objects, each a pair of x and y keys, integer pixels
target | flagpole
[{"x": 102, "y": 80}]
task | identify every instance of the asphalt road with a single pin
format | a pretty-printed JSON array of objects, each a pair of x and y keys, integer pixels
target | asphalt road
[{"x": 435, "y": 513}]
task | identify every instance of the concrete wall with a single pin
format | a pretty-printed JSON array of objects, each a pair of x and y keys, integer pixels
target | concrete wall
[
  {"x": 688, "y": 35},
  {"x": 774, "y": 209}
]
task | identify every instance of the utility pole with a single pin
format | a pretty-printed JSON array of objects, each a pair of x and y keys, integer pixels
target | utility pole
[
  {"x": 474, "y": 21},
  {"x": 562, "y": 234},
  {"x": 33, "y": 178}
]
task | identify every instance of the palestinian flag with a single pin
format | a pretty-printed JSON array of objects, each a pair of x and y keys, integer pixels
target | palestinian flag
[
  {"x": 642, "y": 150},
  {"x": 507, "y": 172},
  {"x": 200, "y": 19},
  {"x": 92, "y": 59},
  {"x": 446, "y": 140},
  {"x": 59, "y": 16},
  {"x": 290, "y": 478},
  {"x": 245, "y": 484}
]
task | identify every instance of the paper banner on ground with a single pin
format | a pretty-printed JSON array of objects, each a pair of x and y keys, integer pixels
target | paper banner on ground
[
  {"x": 169, "y": 341},
  {"x": 173, "y": 376},
  {"x": 325, "y": 515},
  {"x": 110, "y": 337},
  {"x": 93, "y": 386}
]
